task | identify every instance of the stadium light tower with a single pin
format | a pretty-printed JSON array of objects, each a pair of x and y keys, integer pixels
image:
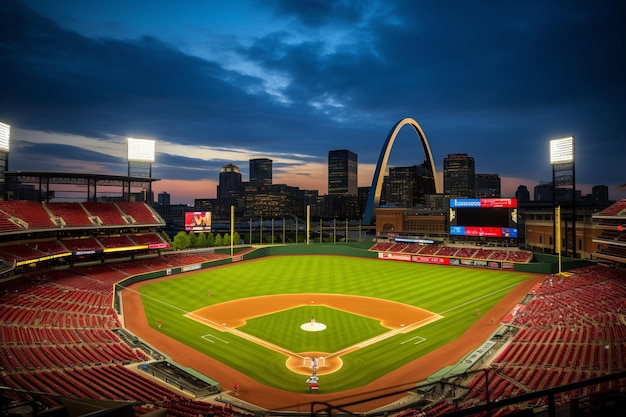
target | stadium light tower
[
  {"x": 563, "y": 173},
  {"x": 140, "y": 158},
  {"x": 5, "y": 139}
]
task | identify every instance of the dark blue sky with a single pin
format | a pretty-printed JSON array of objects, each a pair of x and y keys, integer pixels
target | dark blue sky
[{"x": 218, "y": 82}]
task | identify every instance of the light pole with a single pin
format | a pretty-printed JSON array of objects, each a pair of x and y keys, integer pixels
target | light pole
[
  {"x": 284, "y": 231},
  {"x": 308, "y": 223},
  {"x": 563, "y": 161},
  {"x": 334, "y": 230},
  {"x": 232, "y": 230}
]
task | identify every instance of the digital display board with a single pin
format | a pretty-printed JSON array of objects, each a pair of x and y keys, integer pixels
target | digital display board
[
  {"x": 197, "y": 221},
  {"x": 141, "y": 150},
  {"x": 5, "y": 136},
  {"x": 484, "y": 217}
]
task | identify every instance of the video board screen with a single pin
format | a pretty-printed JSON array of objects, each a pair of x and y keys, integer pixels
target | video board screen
[
  {"x": 197, "y": 221},
  {"x": 484, "y": 217}
]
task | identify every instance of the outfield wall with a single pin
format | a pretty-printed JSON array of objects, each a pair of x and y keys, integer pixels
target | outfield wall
[
  {"x": 549, "y": 264},
  {"x": 360, "y": 249}
]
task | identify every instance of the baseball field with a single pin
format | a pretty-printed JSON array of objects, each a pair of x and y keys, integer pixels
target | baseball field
[{"x": 360, "y": 318}]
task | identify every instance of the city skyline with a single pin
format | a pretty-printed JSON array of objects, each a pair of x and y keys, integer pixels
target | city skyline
[{"x": 290, "y": 81}]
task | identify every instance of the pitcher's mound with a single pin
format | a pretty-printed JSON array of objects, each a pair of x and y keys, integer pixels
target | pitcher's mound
[{"x": 313, "y": 326}]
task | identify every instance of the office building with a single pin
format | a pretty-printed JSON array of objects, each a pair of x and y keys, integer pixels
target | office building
[
  {"x": 488, "y": 186},
  {"x": 408, "y": 186},
  {"x": 164, "y": 198},
  {"x": 260, "y": 172},
  {"x": 342, "y": 173},
  {"x": 459, "y": 176},
  {"x": 229, "y": 185},
  {"x": 522, "y": 194},
  {"x": 600, "y": 194}
]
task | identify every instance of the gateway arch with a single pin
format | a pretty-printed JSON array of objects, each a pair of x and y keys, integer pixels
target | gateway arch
[{"x": 373, "y": 198}]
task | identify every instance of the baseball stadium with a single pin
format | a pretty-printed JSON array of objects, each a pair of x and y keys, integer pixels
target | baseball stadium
[{"x": 101, "y": 316}]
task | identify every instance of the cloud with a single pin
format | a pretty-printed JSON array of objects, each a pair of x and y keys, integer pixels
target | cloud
[{"x": 494, "y": 80}]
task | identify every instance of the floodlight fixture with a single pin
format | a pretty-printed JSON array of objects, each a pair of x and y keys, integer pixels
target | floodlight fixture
[
  {"x": 141, "y": 150},
  {"x": 562, "y": 150},
  {"x": 5, "y": 136}
]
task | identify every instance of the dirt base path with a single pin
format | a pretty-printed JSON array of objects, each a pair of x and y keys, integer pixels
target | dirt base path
[{"x": 396, "y": 381}]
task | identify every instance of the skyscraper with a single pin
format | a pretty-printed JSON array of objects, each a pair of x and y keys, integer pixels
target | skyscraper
[
  {"x": 488, "y": 186},
  {"x": 342, "y": 173},
  {"x": 408, "y": 186},
  {"x": 459, "y": 175},
  {"x": 260, "y": 172},
  {"x": 522, "y": 194},
  {"x": 164, "y": 198},
  {"x": 230, "y": 182},
  {"x": 600, "y": 194}
]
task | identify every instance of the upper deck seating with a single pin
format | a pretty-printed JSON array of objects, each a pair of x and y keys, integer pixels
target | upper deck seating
[
  {"x": 30, "y": 212},
  {"x": 73, "y": 214},
  {"x": 6, "y": 225},
  {"x": 140, "y": 212},
  {"x": 108, "y": 213},
  {"x": 614, "y": 209}
]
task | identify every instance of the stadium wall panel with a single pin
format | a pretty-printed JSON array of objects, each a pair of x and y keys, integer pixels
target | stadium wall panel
[{"x": 313, "y": 249}]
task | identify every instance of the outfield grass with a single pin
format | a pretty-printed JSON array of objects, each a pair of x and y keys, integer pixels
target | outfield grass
[{"x": 453, "y": 292}]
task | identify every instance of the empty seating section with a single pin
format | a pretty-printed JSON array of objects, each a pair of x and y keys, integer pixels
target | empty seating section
[
  {"x": 108, "y": 213},
  {"x": 115, "y": 241},
  {"x": 567, "y": 333},
  {"x": 447, "y": 251},
  {"x": 56, "y": 337},
  {"x": 429, "y": 250},
  {"x": 147, "y": 239},
  {"x": 6, "y": 225},
  {"x": 191, "y": 258},
  {"x": 46, "y": 247},
  {"x": 39, "y": 248},
  {"x": 140, "y": 212},
  {"x": 466, "y": 252},
  {"x": 614, "y": 209},
  {"x": 81, "y": 244},
  {"x": 18, "y": 215},
  {"x": 510, "y": 255},
  {"x": 18, "y": 252},
  {"x": 73, "y": 214},
  {"x": 382, "y": 246},
  {"x": 30, "y": 212}
]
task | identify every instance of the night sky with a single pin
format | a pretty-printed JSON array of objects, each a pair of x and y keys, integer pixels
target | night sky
[{"x": 219, "y": 82}]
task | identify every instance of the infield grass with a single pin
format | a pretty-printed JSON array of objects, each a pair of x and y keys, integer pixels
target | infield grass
[{"x": 453, "y": 292}]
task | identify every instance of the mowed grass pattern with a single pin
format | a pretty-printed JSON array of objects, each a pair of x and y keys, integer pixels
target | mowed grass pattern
[{"x": 454, "y": 292}]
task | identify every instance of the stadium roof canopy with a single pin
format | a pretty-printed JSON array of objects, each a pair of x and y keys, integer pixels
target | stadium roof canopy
[{"x": 44, "y": 179}]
